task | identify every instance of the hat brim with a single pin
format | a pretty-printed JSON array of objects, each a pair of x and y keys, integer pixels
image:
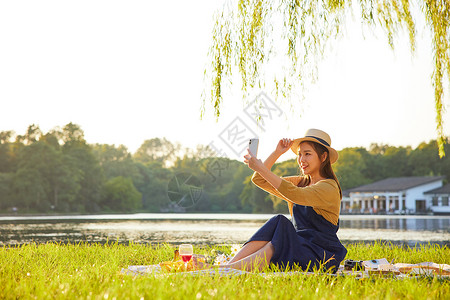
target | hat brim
[{"x": 332, "y": 152}]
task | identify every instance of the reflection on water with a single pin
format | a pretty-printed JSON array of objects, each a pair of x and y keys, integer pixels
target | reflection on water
[
  {"x": 209, "y": 229},
  {"x": 152, "y": 231},
  {"x": 400, "y": 224},
  {"x": 409, "y": 230}
]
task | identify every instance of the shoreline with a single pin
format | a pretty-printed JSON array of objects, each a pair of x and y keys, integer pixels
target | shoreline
[{"x": 196, "y": 216}]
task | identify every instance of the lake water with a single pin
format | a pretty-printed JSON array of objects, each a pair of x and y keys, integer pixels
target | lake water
[{"x": 209, "y": 228}]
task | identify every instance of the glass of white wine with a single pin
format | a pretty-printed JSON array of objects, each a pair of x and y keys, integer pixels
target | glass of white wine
[{"x": 186, "y": 251}]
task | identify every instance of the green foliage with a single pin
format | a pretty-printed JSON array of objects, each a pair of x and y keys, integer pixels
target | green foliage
[
  {"x": 357, "y": 166},
  {"x": 350, "y": 167},
  {"x": 6, "y": 159},
  {"x": 257, "y": 199},
  {"x": 222, "y": 182},
  {"x": 92, "y": 271},
  {"x": 160, "y": 150},
  {"x": 437, "y": 13},
  {"x": 121, "y": 195},
  {"x": 58, "y": 171},
  {"x": 286, "y": 168},
  {"x": 43, "y": 176},
  {"x": 86, "y": 166},
  {"x": 115, "y": 161},
  {"x": 5, "y": 190},
  {"x": 290, "y": 38}
]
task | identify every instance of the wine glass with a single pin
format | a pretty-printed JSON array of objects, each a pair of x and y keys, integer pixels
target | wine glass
[{"x": 186, "y": 251}]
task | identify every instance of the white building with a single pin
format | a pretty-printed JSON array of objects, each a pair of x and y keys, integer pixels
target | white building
[
  {"x": 394, "y": 195},
  {"x": 438, "y": 198}
]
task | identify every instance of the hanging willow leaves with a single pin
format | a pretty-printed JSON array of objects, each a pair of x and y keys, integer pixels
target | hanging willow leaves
[{"x": 290, "y": 37}]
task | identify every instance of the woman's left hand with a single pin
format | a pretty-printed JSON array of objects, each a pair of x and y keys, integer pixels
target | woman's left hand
[{"x": 252, "y": 162}]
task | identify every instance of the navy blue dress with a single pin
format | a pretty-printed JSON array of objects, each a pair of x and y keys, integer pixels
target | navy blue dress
[{"x": 309, "y": 241}]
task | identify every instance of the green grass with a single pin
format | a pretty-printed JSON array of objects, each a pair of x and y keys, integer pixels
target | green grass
[{"x": 92, "y": 271}]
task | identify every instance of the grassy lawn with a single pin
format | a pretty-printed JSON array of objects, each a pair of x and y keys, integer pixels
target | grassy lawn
[{"x": 93, "y": 271}]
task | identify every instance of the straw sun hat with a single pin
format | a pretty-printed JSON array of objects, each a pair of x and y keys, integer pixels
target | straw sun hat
[{"x": 317, "y": 136}]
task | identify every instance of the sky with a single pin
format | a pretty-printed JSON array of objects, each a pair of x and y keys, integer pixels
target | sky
[{"x": 128, "y": 71}]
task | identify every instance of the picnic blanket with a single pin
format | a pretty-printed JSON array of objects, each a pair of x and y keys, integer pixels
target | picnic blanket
[{"x": 374, "y": 267}]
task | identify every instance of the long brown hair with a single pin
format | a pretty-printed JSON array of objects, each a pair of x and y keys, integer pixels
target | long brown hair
[{"x": 326, "y": 171}]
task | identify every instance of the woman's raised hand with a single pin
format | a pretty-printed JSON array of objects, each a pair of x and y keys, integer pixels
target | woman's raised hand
[
  {"x": 252, "y": 162},
  {"x": 284, "y": 145}
]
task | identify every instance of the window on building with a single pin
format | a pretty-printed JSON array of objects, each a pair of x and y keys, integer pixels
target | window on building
[
  {"x": 444, "y": 201},
  {"x": 421, "y": 206},
  {"x": 434, "y": 201}
]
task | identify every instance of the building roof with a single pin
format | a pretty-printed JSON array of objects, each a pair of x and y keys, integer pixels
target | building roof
[
  {"x": 346, "y": 193},
  {"x": 395, "y": 184},
  {"x": 442, "y": 190}
]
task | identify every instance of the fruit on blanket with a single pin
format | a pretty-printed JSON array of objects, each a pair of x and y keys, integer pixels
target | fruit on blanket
[
  {"x": 176, "y": 255},
  {"x": 177, "y": 265}
]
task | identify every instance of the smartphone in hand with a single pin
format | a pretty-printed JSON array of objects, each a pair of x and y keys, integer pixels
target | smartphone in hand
[{"x": 253, "y": 146}]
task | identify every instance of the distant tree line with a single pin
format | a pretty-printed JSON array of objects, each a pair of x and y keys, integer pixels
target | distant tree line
[{"x": 58, "y": 172}]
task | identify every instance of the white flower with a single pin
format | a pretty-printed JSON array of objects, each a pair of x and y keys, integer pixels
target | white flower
[
  {"x": 221, "y": 259},
  {"x": 235, "y": 249}
]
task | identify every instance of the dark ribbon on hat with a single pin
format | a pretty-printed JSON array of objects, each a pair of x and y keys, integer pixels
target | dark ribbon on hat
[{"x": 320, "y": 140}]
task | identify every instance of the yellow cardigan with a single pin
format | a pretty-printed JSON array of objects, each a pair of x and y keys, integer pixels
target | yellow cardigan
[{"x": 323, "y": 197}]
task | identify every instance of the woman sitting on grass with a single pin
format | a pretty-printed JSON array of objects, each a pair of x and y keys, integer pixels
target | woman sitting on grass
[{"x": 314, "y": 199}]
